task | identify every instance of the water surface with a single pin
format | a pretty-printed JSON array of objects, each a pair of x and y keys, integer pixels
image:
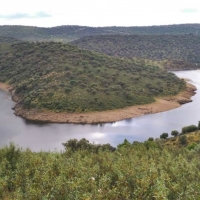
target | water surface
[{"x": 51, "y": 136}]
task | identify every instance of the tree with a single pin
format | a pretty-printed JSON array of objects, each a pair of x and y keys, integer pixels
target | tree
[
  {"x": 150, "y": 144},
  {"x": 189, "y": 129},
  {"x": 174, "y": 133},
  {"x": 183, "y": 140},
  {"x": 124, "y": 144},
  {"x": 164, "y": 136},
  {"x": 151, "y": 139},
  {"x": 199, "y": 125}
]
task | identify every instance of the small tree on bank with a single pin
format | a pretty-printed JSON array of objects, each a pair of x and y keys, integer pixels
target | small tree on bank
[
  {"x": 164, "y": 136},
  {"x": 174, "y": 133},
  {"x": 199, "y": 125},
  {"x": 189, "y": 129},
  {"x": 151, "y": 139},
  {"x": 183, "y": 140}
]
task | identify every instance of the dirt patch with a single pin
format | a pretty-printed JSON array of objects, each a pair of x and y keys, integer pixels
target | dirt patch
[{"x": 4, "y": 87}]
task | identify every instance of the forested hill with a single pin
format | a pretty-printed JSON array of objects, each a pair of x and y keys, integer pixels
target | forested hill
[
  {"x": 154, "y": 47},
  {"x": 70, "y": 33},
  {"x": 8, "y": 40},
  {"x": 57, "y": 76},
  {"x": 5, "y": 43}
]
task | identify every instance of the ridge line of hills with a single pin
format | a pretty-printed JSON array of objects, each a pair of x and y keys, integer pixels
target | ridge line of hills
[
  {"x": 70, "y": 33},
  {"x": 178, "y": 51}
]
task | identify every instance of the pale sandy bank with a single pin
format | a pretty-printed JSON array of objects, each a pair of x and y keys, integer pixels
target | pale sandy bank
[
  {"x": 4, "y": 86},
  {"x": 161, "y": 104}
]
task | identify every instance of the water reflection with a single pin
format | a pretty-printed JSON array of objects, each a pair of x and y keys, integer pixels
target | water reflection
[{"x": 45, "y": 136}]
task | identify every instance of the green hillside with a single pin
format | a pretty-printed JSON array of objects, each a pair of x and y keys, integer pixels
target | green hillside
[
  {"x": 154, "y": 47},
  {"x": 70, "y": 33},
  {"x": 61, "y": 77},
  {"x": 5, "y": 43},
  {"x": 8, "y": 40}
]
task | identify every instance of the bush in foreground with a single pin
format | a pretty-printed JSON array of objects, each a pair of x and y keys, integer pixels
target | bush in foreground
[{"x": 133, "y": 171}]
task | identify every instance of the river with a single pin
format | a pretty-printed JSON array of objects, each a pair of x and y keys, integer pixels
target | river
[{"x": 49, "y": 137}]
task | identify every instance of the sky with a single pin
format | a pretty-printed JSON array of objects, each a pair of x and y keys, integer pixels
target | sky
[{"x": 98, "y": 13}]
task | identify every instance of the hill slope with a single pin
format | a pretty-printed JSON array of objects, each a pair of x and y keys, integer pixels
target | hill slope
[
  {"x": 70, "y": 33},
  {"x": 161, "y": 47},
  {"x": 61, "y": 77},
  {"x": 5, "y": 43},
  {"x": 9, "y": 40}
]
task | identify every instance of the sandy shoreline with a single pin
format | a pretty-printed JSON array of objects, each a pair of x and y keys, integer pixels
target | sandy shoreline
[
  {"x": 161, "y": 104},
  {"x": 4, "y": 87}
]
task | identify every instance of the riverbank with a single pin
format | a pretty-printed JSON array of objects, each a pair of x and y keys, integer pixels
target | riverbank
[
  {"x": 4, "y": 87},
  {"x": 160, "y": 105}
]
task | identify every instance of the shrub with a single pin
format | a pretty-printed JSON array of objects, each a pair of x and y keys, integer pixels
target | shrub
[
  {"x": 150, "y": 139},
  {"x": 164, "y": 136},
  {"x": 183, "y": 140},
  {"x": 67, "y": 90},
  {"x": 188, "y": 129},
  {"x": 124, "y": 144},
  {"x": 150, "y": 144},
  {"x": 83, "y": 144},
  {"x": 192, "y": 146},
  {"x": 93, "y": 91},
  {"x": 73, "y": 83},
  {"x": 174, "y": 133}
]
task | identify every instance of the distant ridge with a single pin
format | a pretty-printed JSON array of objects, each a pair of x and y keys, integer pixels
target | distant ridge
[
  {"x": 154, "y": 47},
  {"x": 70, "y": 33}
]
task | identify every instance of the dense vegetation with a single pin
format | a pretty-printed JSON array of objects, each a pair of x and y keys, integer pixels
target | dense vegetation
[
  {"x": 62, "y": 77},
  {"x": 7, "y": 40},
  {"x": 5, "y": 43},
  {"x": 146, "y": 170},
  {"x": 70, "y": 33},
  {"x": 155, "y": 169},
  {"x": 189, "y": 136},
  {"x": 154, "y": 47}
]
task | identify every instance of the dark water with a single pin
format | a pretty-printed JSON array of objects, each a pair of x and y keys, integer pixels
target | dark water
[{"x": 51, "y": 136}]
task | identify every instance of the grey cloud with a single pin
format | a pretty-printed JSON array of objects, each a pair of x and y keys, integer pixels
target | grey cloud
[
  {"x": 42, "y": 15},
  {"x": 25, "y": 15},
  {"x": 189, "y": 10}
]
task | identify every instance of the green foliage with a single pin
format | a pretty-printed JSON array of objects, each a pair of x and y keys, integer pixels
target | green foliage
[
  {"x": 150, "y": 144},
  {"x": 75, "y": 145},
  {"x": 60, "y": 77},
  {"x": 181, "y": 51},
  {"x": 151, "y": 139},
  {"x": 12, "y": 154},
  {"x": 164, "y": 136},
  {"x": 174, "y": 133},
  {"x": 192, "y": 146},
  {"x": 188, "y": 129},
  {"x": 126, "y": 144},
  {"x": 199, "y": 125},
  {"x": 7, "y": 40},
  {"x": 132, "y": 172},
  {"x": 190, "y": 136},
  {"x": 183, "y": 140}
]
